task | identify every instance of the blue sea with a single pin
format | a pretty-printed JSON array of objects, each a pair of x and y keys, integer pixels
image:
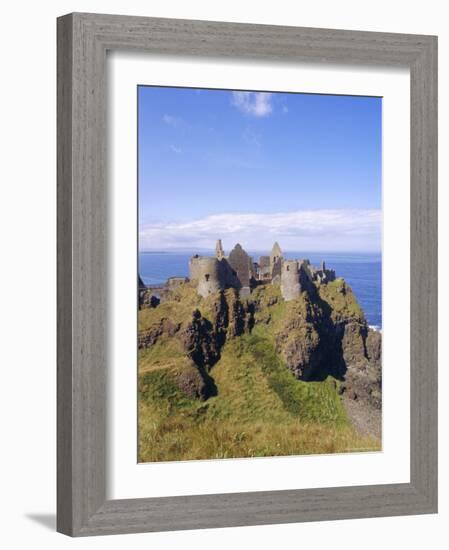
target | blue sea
[{"x": 363, "y": 272}]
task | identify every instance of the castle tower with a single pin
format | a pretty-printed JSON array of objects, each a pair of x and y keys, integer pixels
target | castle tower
[
  {"x": 290, "y": 280},
  {"x": 276, "y": 259},
  {"x": 219, "y": 250},
  {"x": 276, "y": 254},
  {"x": 207, "y": 272},
  {"x": 242, "y": 265}
]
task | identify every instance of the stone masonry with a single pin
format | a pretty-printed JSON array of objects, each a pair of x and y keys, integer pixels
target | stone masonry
[{"x": 211, "y": 274}]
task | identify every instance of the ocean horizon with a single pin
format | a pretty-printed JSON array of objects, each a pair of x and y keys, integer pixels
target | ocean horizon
[{"x": 362, "y": 271}]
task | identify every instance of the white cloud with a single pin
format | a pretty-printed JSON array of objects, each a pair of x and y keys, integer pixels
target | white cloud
[
  {"x": 253, "y": 103},
  {"x": 175, "y": 149},
  {"x": 171, "y": 120},
  {"x": 345, "y": 230}
]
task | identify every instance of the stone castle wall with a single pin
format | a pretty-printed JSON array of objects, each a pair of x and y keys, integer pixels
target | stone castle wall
[
  {"x": 242, "y": 265},
  {"x": 238, "y": 271}
]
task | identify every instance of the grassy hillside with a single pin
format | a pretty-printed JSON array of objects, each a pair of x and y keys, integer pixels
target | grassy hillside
[{"x": 258, "y": 409}]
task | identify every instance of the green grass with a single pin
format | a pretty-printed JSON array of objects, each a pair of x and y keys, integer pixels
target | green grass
[
  {"x": 310, "y": 401},
  {"x": 178, "y": 309},
  {"x": 341, "y": 299},
  {"x": 260, "y": 409}
]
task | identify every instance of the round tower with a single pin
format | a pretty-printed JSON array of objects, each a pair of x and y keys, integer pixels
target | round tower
[
  {"x": 290, "y": 285},
  {"x": 206, "y": 271},
  {"x": 193, "y": 267}
]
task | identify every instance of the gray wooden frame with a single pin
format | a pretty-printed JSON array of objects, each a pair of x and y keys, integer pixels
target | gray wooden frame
[{"x": 83, "y": 40}]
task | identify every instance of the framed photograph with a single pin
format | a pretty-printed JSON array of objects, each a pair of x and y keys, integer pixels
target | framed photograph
[{"x": 247, "y": 274}]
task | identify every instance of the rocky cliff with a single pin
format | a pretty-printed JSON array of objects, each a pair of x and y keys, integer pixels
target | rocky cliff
[
  {"x": 320, "y": 335},
  {"x": 201, "y": 327}
]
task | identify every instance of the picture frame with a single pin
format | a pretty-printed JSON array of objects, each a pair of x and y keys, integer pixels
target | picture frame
[{"x": 83, "y": 41}]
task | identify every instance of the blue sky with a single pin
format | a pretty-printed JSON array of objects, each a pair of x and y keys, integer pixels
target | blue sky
[{"x": 256, "y": 167}]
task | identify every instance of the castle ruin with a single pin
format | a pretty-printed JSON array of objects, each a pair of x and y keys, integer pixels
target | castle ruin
[
  {"x": 211, "y": 274},
  {"x": 239, "y": 271}
]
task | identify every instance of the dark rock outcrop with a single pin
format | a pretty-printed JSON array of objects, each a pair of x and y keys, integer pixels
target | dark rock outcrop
[
  {"x": 237, "y": 315},
  {"x": 149, "y": 337},
  {"x": 200, "y": 342},
  {"x": 204, "y": 337},
  {"x": 374, "y": 347},
  {"x": 299, "y": 342},
  {"x": 363, "y": 377},
  {"x": 196, "y": 383},
  {"x": 147, "y": 298},
  {"x": 321, "y": 333},
  {"x": 327, "y": 335}
]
